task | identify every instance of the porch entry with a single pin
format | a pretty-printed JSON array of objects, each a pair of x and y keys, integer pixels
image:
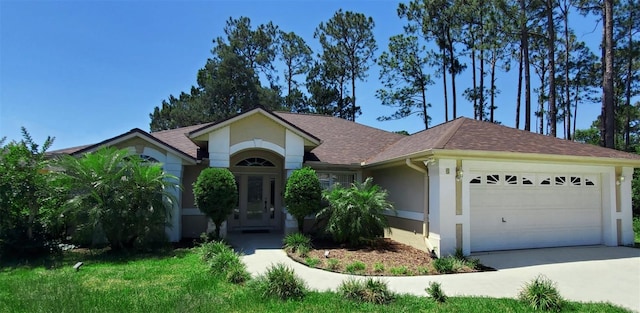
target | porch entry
[
  {"x": 257, "y": 202},
  {"x": 259, "y": 179}
]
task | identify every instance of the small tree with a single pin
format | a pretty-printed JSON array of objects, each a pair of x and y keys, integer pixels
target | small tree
[
  {"x": 120, "y": 195},
  {"x": 303, "y": 194},
  {"x": 216, "y": 194},
  {"x": 356, "y": 214}
]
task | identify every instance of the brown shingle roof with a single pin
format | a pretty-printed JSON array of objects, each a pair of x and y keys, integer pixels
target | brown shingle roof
[
  {"x": 468, "y": 134},
  {"x": 178, "y": 139},
  {"x": 343, "y": 142}
]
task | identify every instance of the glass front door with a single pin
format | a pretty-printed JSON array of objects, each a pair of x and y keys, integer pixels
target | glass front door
[{"x": 257, "y": 203}]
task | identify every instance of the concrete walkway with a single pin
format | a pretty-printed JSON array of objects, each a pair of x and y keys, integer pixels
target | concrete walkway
[{"x": 586, "y": 274}]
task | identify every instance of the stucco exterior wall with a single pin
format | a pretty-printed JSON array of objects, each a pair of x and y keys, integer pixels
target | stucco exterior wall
[
  {"x": 257, "y": 126},
  {"x": 405, "y": 186},
  {"x": 193, "y": 225},
  {"x": 189, "y": 176},
  {"x": 406, "y": 231}
]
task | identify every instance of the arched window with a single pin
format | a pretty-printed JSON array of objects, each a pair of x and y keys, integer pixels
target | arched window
[
  {"x": 255, "y": 162},
  {"x": 149, "y": 159}
]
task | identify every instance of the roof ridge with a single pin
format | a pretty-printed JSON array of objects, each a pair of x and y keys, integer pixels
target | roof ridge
[
  {"x": 457, "y": 123},
  {"x": 340, "y": 119}
]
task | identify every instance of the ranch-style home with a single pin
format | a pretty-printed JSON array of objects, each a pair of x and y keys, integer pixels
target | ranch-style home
[{"x": 464, "y": 184}]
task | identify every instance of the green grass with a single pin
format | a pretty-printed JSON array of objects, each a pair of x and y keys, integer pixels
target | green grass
[
  {"x": 181, "y": 282},
  {"x": 636, "y": 230}
]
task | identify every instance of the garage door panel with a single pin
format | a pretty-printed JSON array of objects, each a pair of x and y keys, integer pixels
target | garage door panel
[{"x": 520, "y": 216}]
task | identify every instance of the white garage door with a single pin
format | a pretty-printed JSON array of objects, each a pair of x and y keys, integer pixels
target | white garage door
[{"x": 519, "y": 210}]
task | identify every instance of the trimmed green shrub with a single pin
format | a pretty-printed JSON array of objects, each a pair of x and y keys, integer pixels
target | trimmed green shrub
[
  {"x": 224, "y": 261},
  {"x": 209, "y": 249},
  {"x": 303, "y": 194},
  {"x": 400, "y": 270},
  {"x": 436, "y": 293},
  {"x": 333, "y": 264},
  {"x": 369, "y": 290},
  {"x": 296, "y": 242},
  {"x": 455, "y": 264},
  {"x": 237, "y": 273},
  {"x": 378, "y": 267},
  {"x": 279, "y": 281},
  {"x": 216, "y": 194},
  {"x": 312, "y": 262},
  {"x": 355, "y": 215},
  {"x": 541, "y": 294},
  {"x": 355, "y": 266}
]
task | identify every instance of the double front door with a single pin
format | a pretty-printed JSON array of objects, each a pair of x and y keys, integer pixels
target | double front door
[{"x": 257, "y": 201}]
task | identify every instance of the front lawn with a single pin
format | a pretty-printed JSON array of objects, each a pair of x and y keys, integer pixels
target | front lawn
[{"x": 180, "y": 282}]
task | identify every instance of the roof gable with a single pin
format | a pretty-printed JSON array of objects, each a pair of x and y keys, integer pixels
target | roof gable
[
  {"x": 200, "y": 134},
  {"x": 137, "y": 133}
]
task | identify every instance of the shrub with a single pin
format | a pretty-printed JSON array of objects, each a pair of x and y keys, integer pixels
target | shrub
[
  {"x": 224, "y": 260},
  {"x": 541, "y": 294},
  {"x": 216, "y": 194},
  {"x": 423, "y": 270},
  {"x": 436, "y": 293},
  {"x": 369, "y": 290},
  {"x": 333, "y": 264},
  {"x": 303, "y": 194},
  {"x": 279, "y": 281},
  {"x": 355, "y": 267},
  {"x": 210, "y": 249},
  {"x": 356, "y": 214},
  {"x": 237, "y": 273},
  {"x": 296, "y": 242},
  {"x": 400, "y": 270},
  {"x": 118, "y": 196},
  {"x": 312, "y": 262},
  {"x": 378, "y": 267},
  {"x": 448, "y": 265},
  {"x": 29, "y": 214}
]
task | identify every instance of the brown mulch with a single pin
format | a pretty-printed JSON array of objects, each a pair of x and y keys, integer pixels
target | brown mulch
[{"x": 393, "y": 255}]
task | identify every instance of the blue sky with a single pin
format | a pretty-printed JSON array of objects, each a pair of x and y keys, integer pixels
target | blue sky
[{"x": 86, "y": 71}]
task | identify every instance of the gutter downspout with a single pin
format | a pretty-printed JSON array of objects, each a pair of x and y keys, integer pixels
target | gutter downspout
[{"x": 425, "y": 173}]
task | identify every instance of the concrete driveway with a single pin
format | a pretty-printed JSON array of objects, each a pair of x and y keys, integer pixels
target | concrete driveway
[{"x": 586, "y": 274}]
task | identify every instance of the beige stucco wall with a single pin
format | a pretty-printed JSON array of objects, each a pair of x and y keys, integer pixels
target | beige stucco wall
[
  {"x": 139, "y": 145},
  {"x": 405, "y": 186},
  {"x": 189, "y": 176},
  {"x": 193, "y": 225},
  {"x": 257, "y": 126},
  {"x": 402, "y": 230}
]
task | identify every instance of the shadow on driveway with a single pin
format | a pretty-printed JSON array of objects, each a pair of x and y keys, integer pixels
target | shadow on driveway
[{"x": 532, "y": 257}]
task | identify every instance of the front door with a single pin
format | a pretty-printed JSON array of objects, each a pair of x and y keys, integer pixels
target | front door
[{"x": 256, "y": 206}]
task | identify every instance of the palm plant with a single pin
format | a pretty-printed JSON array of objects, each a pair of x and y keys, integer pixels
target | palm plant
[
  {"x": 356, "y": 214},
  {"x": 121, "y": 195}
]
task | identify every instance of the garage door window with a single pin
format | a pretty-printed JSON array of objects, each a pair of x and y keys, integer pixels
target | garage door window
[{"x": 512, "y": 179}]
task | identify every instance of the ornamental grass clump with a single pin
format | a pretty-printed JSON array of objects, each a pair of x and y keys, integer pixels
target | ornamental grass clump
[
  {"x": 436, "y": 293},
  {"x": 541, "y": 294},
  {"x": 369, "y": 290},
  {"x": 297, "y": 243},
  {"x": 279, "y": 281}
]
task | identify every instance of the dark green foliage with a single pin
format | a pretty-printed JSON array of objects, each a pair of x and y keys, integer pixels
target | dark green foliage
[
  {"x": 303, "y": 194},
  {"x": 29, "y": 205},
  {"x": 296, "y": 242},
  {"x": 436, "y": 293},
  {"x": 280, "y": 282},
  {"x": 224, "y": 261},
  {"x": 216, "y": 194},
  {"x": 118, "y": 197},
  {"x": 355, "y": 267},
  {"x": 541, "y": 294},
  {"x": 356, "y": 214},
  {"x": 368, "y": 290},
  {"x": 456, "y": 263}
]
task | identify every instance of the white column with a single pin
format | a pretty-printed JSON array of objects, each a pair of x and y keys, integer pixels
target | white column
[
  {"x": 219, "y": 142},
  {"x": 442, "y": 206},
  {"x": 609, "y": 227},
  {"x": 173, "y": 166},
  {"x": 293, "y": 159},
  {"x": 626, "y": 213}
]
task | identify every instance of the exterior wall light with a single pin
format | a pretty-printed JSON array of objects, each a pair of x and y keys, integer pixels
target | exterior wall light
[
  {"x": 619, "y": 180},
  {"x": 459, "y": 174}
]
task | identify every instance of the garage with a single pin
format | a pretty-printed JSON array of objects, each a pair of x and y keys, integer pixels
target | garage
[{"x": 511, "y": 210}]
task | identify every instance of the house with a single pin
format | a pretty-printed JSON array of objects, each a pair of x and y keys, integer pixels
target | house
[{"x": 464, "y": 184}]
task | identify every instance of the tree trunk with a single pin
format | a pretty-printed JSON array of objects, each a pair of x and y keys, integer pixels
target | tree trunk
[
  {"x": 453, "y": 76},
  {"x": 492, "y": 92},
  {"x": 444, "y": 81},
  {"x": 524, "y": 42},
  {"x": 424, "y": 107},
  {"x": 627, "y": 129},
  {"x": 567, "y": 97},
  {"x": 551, "y": 47},
  {"x": 353, "y": 97},
  {"x": 519, "y": 93},
  {"x": 607, "y": 88},
  {"x": 475, "y": 86}
]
